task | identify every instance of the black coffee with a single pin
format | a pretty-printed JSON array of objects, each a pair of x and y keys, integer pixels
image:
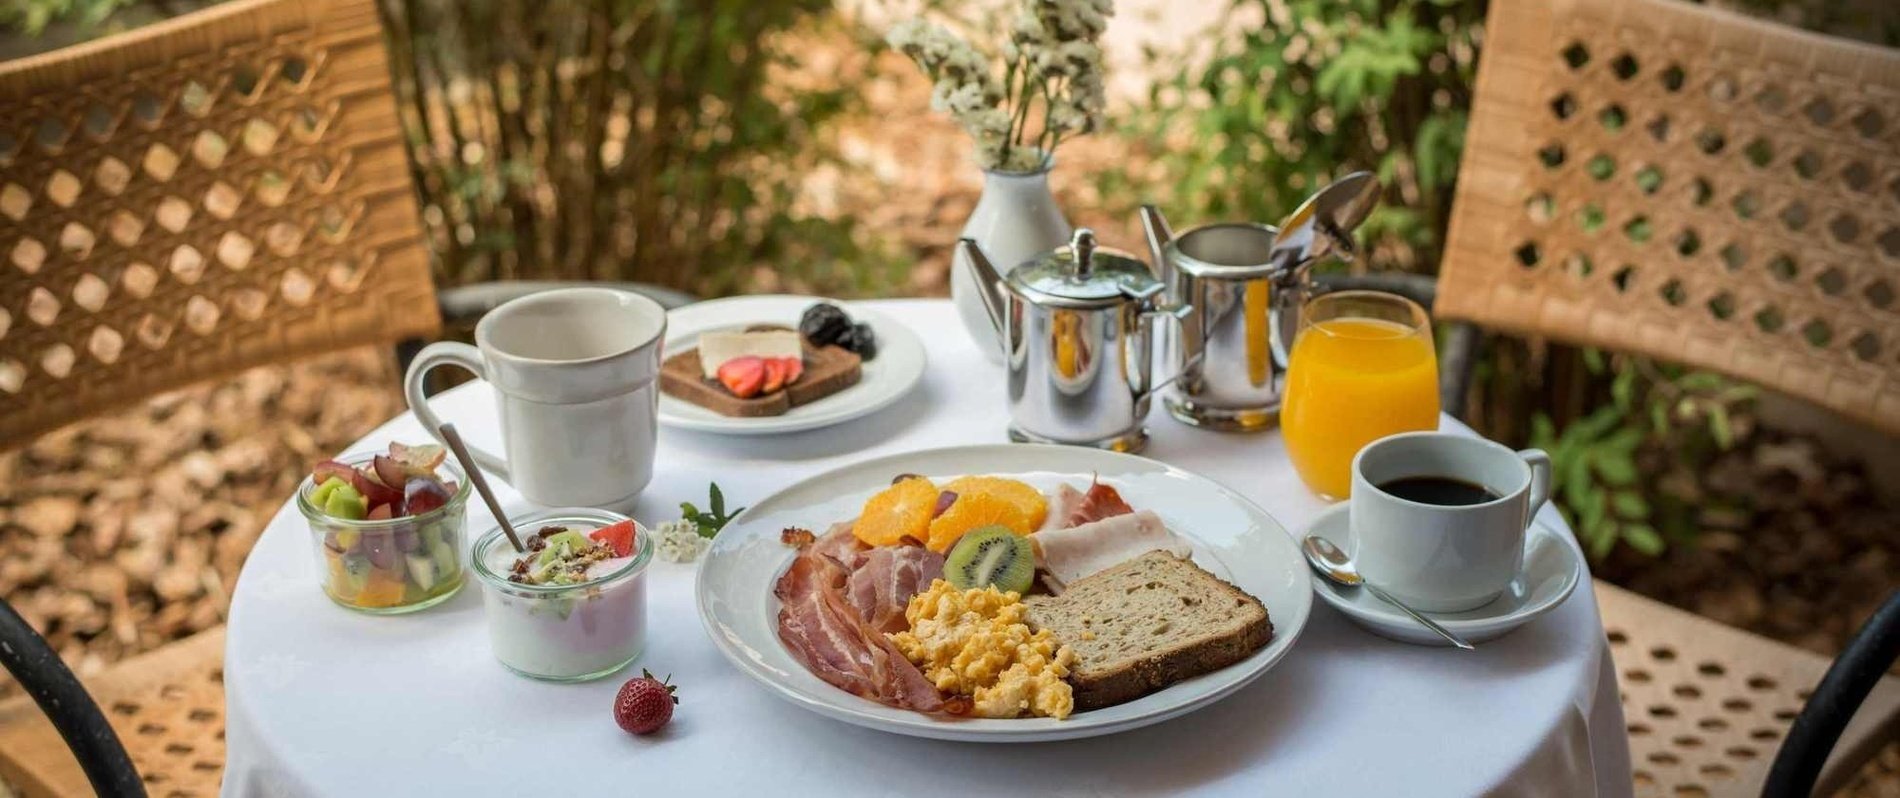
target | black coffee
[{"x": 1438, "y": 490}]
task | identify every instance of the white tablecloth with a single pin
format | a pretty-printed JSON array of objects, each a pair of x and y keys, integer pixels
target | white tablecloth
[{"x": 324, "y": 701}]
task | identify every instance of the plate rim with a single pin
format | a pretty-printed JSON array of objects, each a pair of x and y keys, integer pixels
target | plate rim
[
  {"x": 887, "y": 327},
  {"x": 922, "y": 725},
  {"x": 1524, "y": 615}
]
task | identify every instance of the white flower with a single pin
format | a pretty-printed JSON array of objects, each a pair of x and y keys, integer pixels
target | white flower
[
  {"x": 679, "y": 541},
  {"x": 957, "y": 99}
]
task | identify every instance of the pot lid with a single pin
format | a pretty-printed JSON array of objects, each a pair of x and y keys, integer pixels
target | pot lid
[
  {"x": 1084, "y": 274},
  {"x": 1322, "y": 226}
]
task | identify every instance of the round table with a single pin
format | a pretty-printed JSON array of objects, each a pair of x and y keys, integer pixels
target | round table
[{"x": 325, "y": 701}]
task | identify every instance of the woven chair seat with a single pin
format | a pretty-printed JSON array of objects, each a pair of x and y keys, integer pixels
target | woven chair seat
[
  {"x": 167, "y": 706},
  {"x": 1707, "y": 705}
]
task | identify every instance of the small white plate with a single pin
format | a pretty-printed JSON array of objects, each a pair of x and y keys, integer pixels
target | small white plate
[
  {"x": 1553, "y": 565},
  {"x": 898, "y": 367},
  {"x": 1231, "y": 535}
]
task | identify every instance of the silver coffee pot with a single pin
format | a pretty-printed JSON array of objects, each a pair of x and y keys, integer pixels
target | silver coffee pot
[
  {"x": 1077, "y": 330},
  {"x": 1244, "y": 284}
]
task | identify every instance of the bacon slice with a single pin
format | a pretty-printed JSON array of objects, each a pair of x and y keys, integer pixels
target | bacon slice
[
  {"x": 822, "y": 629},
  {"x": 885, "y": 579}
]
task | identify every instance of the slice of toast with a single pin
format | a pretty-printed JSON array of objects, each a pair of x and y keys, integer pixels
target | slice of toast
[
  {"x": 828, "y": 370},
  {"x": 1147, "y": 623}
]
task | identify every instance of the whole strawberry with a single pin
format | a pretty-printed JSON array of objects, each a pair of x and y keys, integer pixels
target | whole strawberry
[{"x": 644, "y": 704}]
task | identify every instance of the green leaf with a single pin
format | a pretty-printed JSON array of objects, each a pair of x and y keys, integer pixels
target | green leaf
[
  {"x": 1600, "y": 546},
  {"x": 1577, "y": 483},
  {"x": 1700, "y": 381},
  {"x": 1593, "y": 360},
  {"x": 1592, "y": 513},
  {"x": 1630, "y": 505},
  {"x": 1643, "y": 538},
  {"x": 1623, "y": 440},
  {"x": 1617, "y": 468},
  {"x": 1623, "y": 389},
  {"x": 1596, "y": 424},
  {"x": 1543, "y": 433},
  {"x": 718, "y": 500},
  {"x": 1719, "y": 426},
  {"x": 1659, "y": 417}
]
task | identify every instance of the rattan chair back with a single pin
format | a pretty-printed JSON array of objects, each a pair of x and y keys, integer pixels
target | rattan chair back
[
  {"x": 1682, "y": 182},
  {"x": 196, "y": 197}
]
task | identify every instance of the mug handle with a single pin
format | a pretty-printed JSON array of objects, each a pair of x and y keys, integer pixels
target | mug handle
[
  {"x": 447, "y": 353},
  {"x": 1540, "y": 478}
]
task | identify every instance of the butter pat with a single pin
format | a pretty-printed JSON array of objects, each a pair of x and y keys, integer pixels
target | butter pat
[{"x": 715, "y": 348}]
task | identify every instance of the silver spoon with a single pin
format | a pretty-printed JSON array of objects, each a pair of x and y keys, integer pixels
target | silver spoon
[{"x": 1333, "y": 564}]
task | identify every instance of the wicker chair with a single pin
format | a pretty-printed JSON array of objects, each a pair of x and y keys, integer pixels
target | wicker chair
[
  {"x": 1680, "y": 182},
  {"x": 194, "y": 198},
  {"x": 220, "y": 191}
]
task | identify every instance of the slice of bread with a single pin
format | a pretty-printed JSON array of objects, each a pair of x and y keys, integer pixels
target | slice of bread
[
  {"x": 1147, "y": 623},
  {"x": 828, "y": 370}
]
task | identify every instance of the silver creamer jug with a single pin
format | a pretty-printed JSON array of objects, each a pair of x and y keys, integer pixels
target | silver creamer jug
[
  {"x": 1245, "y": 283},
  {"x": 1077, "y": 330}
]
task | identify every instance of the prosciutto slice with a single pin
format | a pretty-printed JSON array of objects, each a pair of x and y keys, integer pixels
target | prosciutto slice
[
  {"x": 823, "y": 629},
  {"x": 1071, "y": 507},
  {"x": 885, "y": 579},
  {"x": 1065, "y": 555}
]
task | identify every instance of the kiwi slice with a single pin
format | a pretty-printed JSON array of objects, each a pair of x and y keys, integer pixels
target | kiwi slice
[{"x": 991, "y": 555}]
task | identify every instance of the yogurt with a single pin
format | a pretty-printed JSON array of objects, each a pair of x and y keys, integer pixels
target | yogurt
[{"x": 573, "y": 614}]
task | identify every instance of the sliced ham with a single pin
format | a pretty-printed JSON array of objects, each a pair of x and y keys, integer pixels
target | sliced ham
[
  {"x": 1070, "y": 507},
  {"x": 885, "y": 578},
  {"x": 822, "y": 628},
  {"x": 1070, "y": 554}
]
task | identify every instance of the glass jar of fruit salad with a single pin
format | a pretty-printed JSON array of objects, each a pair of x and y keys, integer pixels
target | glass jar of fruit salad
[
  {"x": 381, "y": 549},
  {"x": 573, "y": 607}
]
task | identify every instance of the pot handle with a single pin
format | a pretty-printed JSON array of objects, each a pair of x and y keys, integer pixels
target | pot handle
[
  {"x": 1290, "y": 292},
  {"x": 1179, "y": 313}
]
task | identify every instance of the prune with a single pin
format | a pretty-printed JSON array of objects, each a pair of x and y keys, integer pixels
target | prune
[
  {"x": 824, "y": 324},
  {"x": 861, "y": 340}
]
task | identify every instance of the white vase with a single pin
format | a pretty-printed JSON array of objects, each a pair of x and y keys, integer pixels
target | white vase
[{"x": 1015, "y": 220}]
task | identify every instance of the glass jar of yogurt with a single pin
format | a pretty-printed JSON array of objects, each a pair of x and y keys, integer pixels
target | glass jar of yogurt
[{"x": 570, "y": 632}]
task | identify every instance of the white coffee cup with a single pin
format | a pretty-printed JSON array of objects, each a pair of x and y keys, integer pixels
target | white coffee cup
[
  {"x": 1438, "y": 557},
  {"x": 575, "y": 373}
]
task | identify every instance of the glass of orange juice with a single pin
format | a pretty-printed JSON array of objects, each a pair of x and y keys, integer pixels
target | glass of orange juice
[{"x": 1362, "y": 368}]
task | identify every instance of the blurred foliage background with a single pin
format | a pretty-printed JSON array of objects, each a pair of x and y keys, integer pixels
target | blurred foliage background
[{"x": 673, "y": 142}]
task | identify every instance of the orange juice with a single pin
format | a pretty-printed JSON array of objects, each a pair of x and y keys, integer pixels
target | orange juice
[{"x": 1349, "y": 382}]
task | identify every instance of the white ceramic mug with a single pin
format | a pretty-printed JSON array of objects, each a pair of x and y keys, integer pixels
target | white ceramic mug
[
  {"x": 575, "y": 373},
  {"x": 1444, "y": 558}
]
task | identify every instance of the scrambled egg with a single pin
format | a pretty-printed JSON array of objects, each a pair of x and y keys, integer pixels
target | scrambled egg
[{"x": 975, "y": 643}]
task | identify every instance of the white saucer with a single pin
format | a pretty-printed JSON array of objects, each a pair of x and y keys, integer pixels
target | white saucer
[{"x": 1553, "y": 565}]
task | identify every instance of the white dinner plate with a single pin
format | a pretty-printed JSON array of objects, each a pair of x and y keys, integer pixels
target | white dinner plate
[
  {"x": 1553, "y": 565},
  {"x": 898, "y": 367},
  {"x": 1231, "y": 535}
]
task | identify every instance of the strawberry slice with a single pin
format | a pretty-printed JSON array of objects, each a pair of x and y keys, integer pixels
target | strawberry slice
[
  {"x": 794, "y": 368},
  {"x": 774, "y": 375},
  {"x": 743, "y": 376},
  {"x": 619, "y": 536}
]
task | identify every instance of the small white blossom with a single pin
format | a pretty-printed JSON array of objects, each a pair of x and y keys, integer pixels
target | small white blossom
[
  {"x": 679, "y": 541},
  {"x": 1050, "y": 56}
]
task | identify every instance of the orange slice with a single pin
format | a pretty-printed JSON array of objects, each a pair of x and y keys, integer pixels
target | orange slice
[
  {"x": 1014, "y": 491},
  {"x": 897, "y": 512},
  {"x": 975, "y": 510},
  {"x": 382, "y": 590}
]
